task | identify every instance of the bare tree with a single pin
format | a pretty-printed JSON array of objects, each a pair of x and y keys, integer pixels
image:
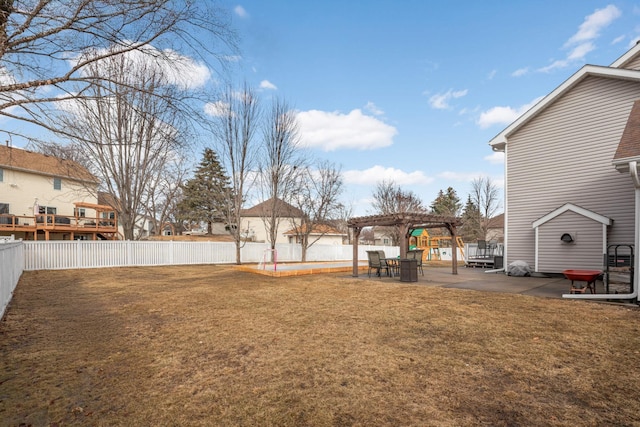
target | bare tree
[
  {"x": 164, "y": 194},
  {"x": 129, "y": 130},
  {"x": 71, "y": 151},
  {"x": 343, "y": 214},
  {"x": 281, "y": 165},
  {"x": 389, "y": 198},
  {"x": 46, "y": 46},
  {"x": 317, "y": 197},
  {"x": 236, "y": 119},
  {"x": 485, "y": 196}
]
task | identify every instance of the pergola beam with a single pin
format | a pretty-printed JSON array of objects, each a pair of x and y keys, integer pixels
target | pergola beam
[{"x": 405, "y": 221}]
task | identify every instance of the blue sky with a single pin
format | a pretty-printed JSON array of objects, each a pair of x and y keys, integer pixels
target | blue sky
[{"x": 412, "y": 91}]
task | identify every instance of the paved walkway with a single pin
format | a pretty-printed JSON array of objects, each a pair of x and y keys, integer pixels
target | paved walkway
[{"x": 478, "y": 279}]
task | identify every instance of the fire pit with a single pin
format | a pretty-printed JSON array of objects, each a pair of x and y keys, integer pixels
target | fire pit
[{"x": 588, "y": 276}]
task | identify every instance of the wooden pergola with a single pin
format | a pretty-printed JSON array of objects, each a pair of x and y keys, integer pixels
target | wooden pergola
[{"x": 406, "y": 223}]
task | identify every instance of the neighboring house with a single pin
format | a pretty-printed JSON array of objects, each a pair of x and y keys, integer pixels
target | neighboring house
[
  {"x": 45, "y": 197},
  {"x": 320, "y": 235},
  {"x": 253, "y": 227},
  {"x": 383, "y": 236},
  {"x": 144, "y": 225},
  {"x": 495, "y": 230},
  {"x": 565, "y": 198}
]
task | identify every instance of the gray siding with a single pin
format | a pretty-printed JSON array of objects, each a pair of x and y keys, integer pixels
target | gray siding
[
  {"x": 634, "y": 64},
  {"x": 554, "y": 256},
  {"x": 563, "y": 155}
]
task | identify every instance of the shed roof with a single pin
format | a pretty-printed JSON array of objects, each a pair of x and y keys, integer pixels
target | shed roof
[
  {"x": 573, "y": 208},
  {"x": 42, "y": 164}
]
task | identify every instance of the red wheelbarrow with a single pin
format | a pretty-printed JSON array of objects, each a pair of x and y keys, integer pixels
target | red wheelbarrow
[{"x": 588, "y": 276}]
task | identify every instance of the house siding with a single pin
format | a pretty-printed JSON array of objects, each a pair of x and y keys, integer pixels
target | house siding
[
  {"x": 585, "y": 252},
  {"x": 21, "y": 189},
  {"x": 563, "y": 155},
  {"x": 633, "y": 64}
]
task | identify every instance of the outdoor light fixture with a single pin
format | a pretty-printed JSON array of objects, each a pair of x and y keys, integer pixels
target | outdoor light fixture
[{"x": 566, "y": 238}]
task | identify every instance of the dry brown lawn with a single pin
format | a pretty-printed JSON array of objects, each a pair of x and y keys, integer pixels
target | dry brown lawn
[{"x": 212, "y": 346}]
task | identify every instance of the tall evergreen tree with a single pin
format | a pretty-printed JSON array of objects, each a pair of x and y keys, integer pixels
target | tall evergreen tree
[
  {"x": 207, "y": 194},
  {"x": 446, "y": 204},
  {"x": 470, "y": 229}
]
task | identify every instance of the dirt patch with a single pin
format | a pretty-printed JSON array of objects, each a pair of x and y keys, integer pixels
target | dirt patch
[{"x": 210, "y": 345}]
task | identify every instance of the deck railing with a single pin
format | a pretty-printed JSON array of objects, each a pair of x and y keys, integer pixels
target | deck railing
[{"x": 57, "y": 223}]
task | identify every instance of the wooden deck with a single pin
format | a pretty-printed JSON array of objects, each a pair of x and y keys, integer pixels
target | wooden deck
[{"x": 103, "y": 226}]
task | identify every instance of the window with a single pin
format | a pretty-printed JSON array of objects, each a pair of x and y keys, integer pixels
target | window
[
  {"x": 4, "y": 207},
  {"x": 57, "y": 184},
  {"x": 50, "y": 210},
  {"x": 108, "y": 215},
  {"x": 1, "y": 175},
  {"x": 81, "y": 212}
]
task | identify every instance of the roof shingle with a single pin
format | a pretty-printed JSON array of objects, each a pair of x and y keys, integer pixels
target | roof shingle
[{"x": 25, "y": 160}]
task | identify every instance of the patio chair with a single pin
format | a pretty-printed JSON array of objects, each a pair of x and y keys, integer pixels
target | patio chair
[
  {"x": 378, "y": 264},
  {"x": 417, "y": 255},
  {"x": 391, "y": 265}
]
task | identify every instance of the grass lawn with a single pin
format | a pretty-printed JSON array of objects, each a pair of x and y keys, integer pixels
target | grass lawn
[{"x": 212, "y": 346}]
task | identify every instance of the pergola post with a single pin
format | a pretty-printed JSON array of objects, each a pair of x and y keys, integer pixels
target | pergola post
[
  {"x": 404, "y": 239},
  {"x": 356, "y": 238},
  {"x": 454, "y": 249}
]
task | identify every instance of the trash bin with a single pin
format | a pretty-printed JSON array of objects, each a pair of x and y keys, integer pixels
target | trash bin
[
  {"x": 498, "y": 261},
  {"x": 408, "y": 270}
]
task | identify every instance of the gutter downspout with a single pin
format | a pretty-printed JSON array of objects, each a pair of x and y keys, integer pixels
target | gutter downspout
[{"x": 635, "y": 177}]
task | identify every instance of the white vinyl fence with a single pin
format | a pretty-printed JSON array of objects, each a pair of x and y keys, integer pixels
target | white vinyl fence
[
  {"x": 19, "y": 256},
  {"x": 11, "y": 267},
  {"x": 55, "y": 255}
]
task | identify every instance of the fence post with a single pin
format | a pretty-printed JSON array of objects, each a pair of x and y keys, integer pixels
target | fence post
[{"x": 78, "y": 254}]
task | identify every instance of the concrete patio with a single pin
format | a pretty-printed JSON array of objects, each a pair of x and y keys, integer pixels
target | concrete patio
[{"x": 478, "y": 279}]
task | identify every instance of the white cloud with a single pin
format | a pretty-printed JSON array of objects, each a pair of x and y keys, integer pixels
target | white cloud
[
  {"x": 373, "y": 109},
  {"x": 590, "y": 28},
  {"x": 618, "y": 39},
  {"x": 495, "y": 158},
  {"x": 378, "y": 173},
  {"x": 186, "y": 72},
  {"x": 266, "y": 84},
  {"x": 580, "y": 51},
  {"x": 520, "y": 72},
  {"x": 581, "y": 43},
  {"x": 440, "y": 101},
  {"x": 503, "y": 115},
  {"x": 176, "y": 69},
  {"x": 216, "y": 109},
  {"x": 492, "y": 74},
  {"x": 240, "y": 11},
  {"x": 333, "y": 131},
  {"x": 232, "y": 58}
]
